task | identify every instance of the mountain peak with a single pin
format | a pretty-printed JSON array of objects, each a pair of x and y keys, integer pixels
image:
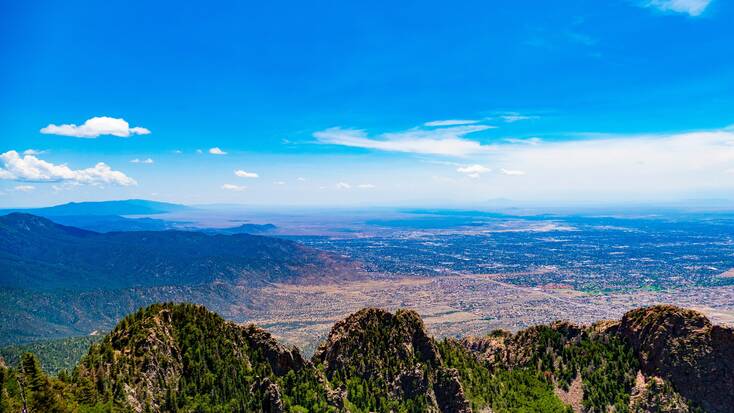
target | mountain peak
[
  {"x": 168, "y": 354},
  {"x": 375, "y": 346},
  {"x": 377, "y": 335}
]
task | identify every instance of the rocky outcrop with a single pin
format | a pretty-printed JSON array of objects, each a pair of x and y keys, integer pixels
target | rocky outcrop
[
  {"x": 370, "y": 339},
  {"x": 393, "y": 348},
  {"x": 502, "y": 348},
  {"x": 158, "y": 352},
  {"x": 282, "y": 359},
  {"x": 655, "y": 395},
  {"x": 411, "y": 383},
  {"x": 154, "y": 352},
  {"x": 682, "y": 347},
  {"x": 449, "y": 393},
  {"x": 272, "y": 401}
]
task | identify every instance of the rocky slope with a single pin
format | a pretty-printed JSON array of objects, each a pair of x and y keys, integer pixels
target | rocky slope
[{"x": 684, "y": 348}]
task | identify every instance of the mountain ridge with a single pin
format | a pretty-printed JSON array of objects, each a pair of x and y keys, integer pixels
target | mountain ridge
[
  {"x": 162, "y": 257},
  {"x": 181, "y": 357}
]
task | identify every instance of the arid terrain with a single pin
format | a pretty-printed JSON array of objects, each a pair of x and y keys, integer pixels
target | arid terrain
[{"x": 460, "y": 305}]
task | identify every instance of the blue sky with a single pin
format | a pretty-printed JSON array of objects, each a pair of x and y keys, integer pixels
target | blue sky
[{"x": 346, "y": 103}]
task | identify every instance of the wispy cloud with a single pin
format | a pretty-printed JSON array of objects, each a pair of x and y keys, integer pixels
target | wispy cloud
[
  {"x": 448, "y": 141},
  {"x": 245, "y": 174},
  {"x": 94, "y": 127},
  {"x": 690, "y": 7},
  {"x": 606, "y": 166},
  {"x": 216, "y": 151},
  {"x": 366, "y": 186},
  {"x": 65, "y": 186},
  {"x": 145, "y": 161},
  {"x": 31, "y": 169},
  {"x": 34, "y": 152},
  {"x": 343, "y": 185},
  {"x": 511, "y": 117},
  {"x": 524, "y": 141},
  {"x": 24, "y": 188},
  {"x": 233, "y": 187},
  {"x": 451, "y": 122}
]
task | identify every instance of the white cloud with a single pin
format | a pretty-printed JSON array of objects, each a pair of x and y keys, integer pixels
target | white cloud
[
  {"x": 216, "y": 151},
  {"x": 301, "y": 179},
  {"x": 447, "y": 141},
  {"x": 279, "y": 183},
  {"x": 343, "y": 185},
  {"x": 691, "y": 7},
  {"x": 511, "y": 172},
  {"x": 451, "y": 122},
  {"x": 24, "y": 188},
  {"x": 199, "y": 151},
  {"x": 232, "y": 187},
  {"x": 31, "y": 169},
  {"x": 245, "y": 174},
  {"x": 473, "y": 169},
  {"x": 366, "y": 186},
  {"x": 146, "y": 161},
  {"x": 33, "y": 152},
  {"x": 94, "y": 127},
  {"x": 178, "y": 151}
]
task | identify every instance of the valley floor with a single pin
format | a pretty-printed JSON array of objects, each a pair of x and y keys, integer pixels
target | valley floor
[{"x": 458, "y": 305}]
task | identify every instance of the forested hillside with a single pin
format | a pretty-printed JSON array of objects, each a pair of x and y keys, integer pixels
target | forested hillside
[
  {"x": 58, "y": 281},
  {"x": 183, "y": 358},
  {"x": 40, "y": 255}
]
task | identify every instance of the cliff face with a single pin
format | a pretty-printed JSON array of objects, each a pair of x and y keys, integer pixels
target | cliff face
[{"x": 682, "y": 347}]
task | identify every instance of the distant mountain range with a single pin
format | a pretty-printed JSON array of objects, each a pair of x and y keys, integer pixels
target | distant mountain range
[
  {"x": 183, "y": 358},
  {"x": 107, "y": 216},
  {"x": 130, "y": 215},
  {"x": 46, "y": 265},
  {"x": 104, "y": 208}
]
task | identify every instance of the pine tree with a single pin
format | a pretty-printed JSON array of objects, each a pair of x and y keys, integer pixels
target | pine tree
[{"x": 41, "y": 397}]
